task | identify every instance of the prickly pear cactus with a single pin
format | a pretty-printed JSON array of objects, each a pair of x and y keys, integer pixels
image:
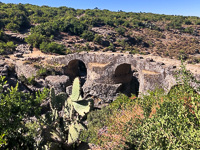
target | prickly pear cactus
[
  {"x": 75, "y": 90},
  {"x": 62, "y": 119},
  {"x": 74, "y": 132},
  {"x": 82, "y": 106},
  {"x": 57, "y": 101}
]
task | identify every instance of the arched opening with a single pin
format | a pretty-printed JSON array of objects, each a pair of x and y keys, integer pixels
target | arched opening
[
  {"x": 77, "y": 68},
  {"x": 126, "y": 75}
]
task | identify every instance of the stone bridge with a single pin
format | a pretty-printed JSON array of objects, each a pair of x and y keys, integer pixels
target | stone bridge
[{"x": 106, "y": 74}]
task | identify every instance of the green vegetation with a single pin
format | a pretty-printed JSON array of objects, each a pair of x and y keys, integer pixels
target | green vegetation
[
  {"x": 156, "y": 121},
  {"x": 16, "y": 108},
  {"x": 46, "y": 23},
  {"x": 52, "y": 48},
  {"x": 6, "y": 46},
  {"x": 60, "y": 127},
  {"x": 35, "y": 39},
  {"x": 88, "y": 35}
]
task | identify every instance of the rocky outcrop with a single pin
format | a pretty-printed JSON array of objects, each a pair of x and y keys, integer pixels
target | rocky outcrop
[
  {"x": 23, "y": 48},
  {"x": 25, "y": 69},
  {"x": 58, "y": 82},
  {"x": 104, "y": 31},
  {"x": 19, "y": 55},
  {"x": 107, "y": 92},
  {"x": 3, "y": 68}
]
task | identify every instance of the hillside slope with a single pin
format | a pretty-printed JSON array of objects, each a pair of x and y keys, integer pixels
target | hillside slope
[{"x": 66, "y": 30}]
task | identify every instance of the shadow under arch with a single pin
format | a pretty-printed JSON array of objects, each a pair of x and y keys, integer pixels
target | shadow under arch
[
  {"x": 77, "y": 68},
  {"x": 128, "y": 77}
]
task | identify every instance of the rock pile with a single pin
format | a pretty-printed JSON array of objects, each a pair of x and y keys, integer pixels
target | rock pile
[{"x": 23, "y": 48}]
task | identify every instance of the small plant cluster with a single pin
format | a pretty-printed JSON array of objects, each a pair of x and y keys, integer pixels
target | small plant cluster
[{"x": 155, "y": 121}]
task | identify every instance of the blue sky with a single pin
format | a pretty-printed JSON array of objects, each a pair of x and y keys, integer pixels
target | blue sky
[{"x": 169, "y": 7}]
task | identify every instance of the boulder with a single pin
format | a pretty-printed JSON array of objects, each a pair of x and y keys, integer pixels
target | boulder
[
  {"x": 18, "y": 55},
  {"x": 3, "y": 68},
  {"x": 58, "y": 82},
  {"x": 106, "y": 92},
  {"x": 25, "y": 69}
]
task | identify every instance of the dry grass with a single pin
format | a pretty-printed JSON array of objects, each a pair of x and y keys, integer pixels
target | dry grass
[{"x": 114, "y": 136}]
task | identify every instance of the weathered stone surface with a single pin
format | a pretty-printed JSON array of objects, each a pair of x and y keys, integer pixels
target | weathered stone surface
[
  {"x": 18, "y": 55},
  {"x": 115, "y": 68},
  {"x": 58, "y": 82},
  {"x": 23, "y": 48},
  {"x": 3, "y": 68},
  {"x": 27, "y": 70},
  {"x": 107, "y": 92}
]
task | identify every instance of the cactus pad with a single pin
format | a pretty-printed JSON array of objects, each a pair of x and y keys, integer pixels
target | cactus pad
[
  {"x": 53, "y": 98},
  {"x": 74, "y": 132},
  {"x": 75, "y": 90},
  {"x": 82, "y": 107}
]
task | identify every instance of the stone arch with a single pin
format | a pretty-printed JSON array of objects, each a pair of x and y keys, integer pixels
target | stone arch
[
  {"x": 127, "y": 75},
  {"x": 77, "y": 68}
]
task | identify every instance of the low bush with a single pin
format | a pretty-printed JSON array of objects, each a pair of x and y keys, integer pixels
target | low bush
[
  {"x": 15, "y": 109},
  {"x": 52, "y": 47},
  {"x": 7, "y": 47},
  {"x": 88, "y": 35}
]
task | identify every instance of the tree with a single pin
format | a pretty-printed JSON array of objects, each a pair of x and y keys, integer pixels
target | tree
[{"x": 35, "y": 39}]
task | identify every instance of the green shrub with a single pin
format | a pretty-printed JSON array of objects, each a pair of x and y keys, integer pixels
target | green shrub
[
  {"x": 42, "y": 72},
  {"x": 6, "y": 48},
  {"x": 27, "y": 81},
  {"x": 111, "y": 47},
  {"x": 96, "y": 120},
  {"x": 12, "y": 26},
  {"x": 175, "y": 125},
  {"x": 120, "y": 30},
  {"x": 98, "y": 39},
  {"x": 88, "y": 35},
  {"x": 35, "y": 39},
  {"x": 15, "y": 108},
  {"x": 52, "y": 47},
  {"x": 31, "y": 81}
]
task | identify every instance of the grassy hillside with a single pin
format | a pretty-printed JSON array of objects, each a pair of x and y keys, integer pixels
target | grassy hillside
[{"x": 78, "y": 30}]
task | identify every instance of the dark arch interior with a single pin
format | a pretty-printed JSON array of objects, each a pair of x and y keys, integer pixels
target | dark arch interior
[
  {"x": 77, "y": 68},
  {"x": 129, "y": 78}
]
